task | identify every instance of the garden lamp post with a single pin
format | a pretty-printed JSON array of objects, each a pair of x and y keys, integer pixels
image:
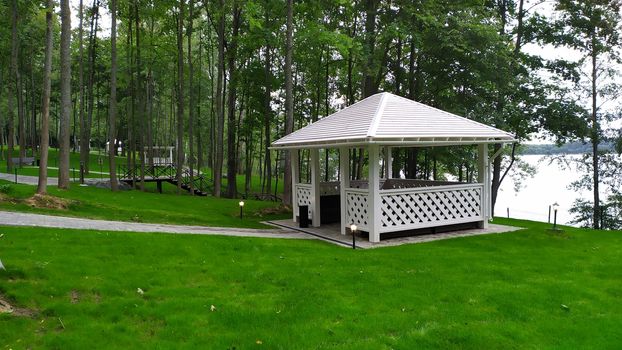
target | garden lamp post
[
  {"x": 241, "y": 209},
  {"x": 101, "y": 169},
  {"x": 353, "y": 231},
  {"x": 555, "y": 206}
]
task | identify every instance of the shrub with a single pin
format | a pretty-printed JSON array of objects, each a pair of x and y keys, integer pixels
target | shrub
[{"x": 6, "y": 188}]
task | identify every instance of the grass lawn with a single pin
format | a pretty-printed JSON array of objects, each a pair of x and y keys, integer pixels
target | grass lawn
[
  {"x": 500, "y": 291},
  {"x": 74, "y": 163},
  {"x": 168, "y": 208}
]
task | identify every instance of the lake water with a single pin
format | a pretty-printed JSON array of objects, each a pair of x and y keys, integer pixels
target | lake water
[{"x": 549, "y": 185}]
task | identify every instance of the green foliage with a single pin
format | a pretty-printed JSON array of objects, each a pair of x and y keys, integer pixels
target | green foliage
[
  {"x": 6, "y": 188},
  {"x": 610, "y": 216}
]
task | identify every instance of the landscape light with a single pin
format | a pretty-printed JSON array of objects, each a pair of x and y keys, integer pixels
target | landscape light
[
  {"x": 353, "y": 231},
  {"x": 241, "y": 208},
  {"x": 555, "y": 206}
]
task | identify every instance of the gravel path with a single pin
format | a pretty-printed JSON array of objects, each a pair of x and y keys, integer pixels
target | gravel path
[
  {"x": 28, "y": 180},
  {"x": 37, "y": 220}
]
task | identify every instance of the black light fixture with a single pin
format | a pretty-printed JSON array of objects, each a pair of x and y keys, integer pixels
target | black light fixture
[
  {"x": 555, "y": 206},
  {"x": 353, "y": 231},
  {"x": 241, "y": 209}
]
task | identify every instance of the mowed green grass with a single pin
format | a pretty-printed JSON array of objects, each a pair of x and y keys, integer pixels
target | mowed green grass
[
  {"x": 502, "y": 291},
  {"x": 151, "y": 207},
  {"x": 74, "y": 163},
  {"x": 94, "y": 159}
]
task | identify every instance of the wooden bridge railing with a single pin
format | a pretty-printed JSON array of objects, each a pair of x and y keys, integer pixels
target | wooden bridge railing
[{"x": 165, "y": 172}]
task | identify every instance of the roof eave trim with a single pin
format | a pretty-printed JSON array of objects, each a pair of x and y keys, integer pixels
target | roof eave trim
[{"x": 429, "y": 142}]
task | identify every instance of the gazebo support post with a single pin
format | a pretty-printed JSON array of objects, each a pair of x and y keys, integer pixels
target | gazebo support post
[
  {"x": 373, "y": 204},
  {"x": 315, "y": 186},
  {"x": 483, "y": 177},
  {"x": 295, "y": 179},
  {"x": 344, "y": 182},
  {"x": 388, "y": 163}
]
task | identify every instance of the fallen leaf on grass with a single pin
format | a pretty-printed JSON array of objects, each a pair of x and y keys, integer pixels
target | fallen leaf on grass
[
  {"x": 565, "y": 307},
  {"x": 140, "y": 291},
  {"x": 212, "y": 308}
]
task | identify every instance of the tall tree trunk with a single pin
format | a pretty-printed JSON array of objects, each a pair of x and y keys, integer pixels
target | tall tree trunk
[
  {"x": 220, "y": 113},
  {"x": 497, "y": 178},
  {"x": 45, "y": 108},
  {"x": 112, "y": 110},
  {"x": 81, "y": 85},
  {"x": 17, "y": 84},
  {"x": 232, "y": 155},
  {"x": 267, "y": 118},
  {"x": 21, "y": 120},
  {"x": 180, "y": 95},
  {"x": 289, "y": 101},
  {"x": 85, "y": 121},
  {"x": 200, "y": 148},
  {"x": 140, "y": 84},
  {"x": 3, "y": 123},
  {"x": 369, "y": 85},
  {"x": 190, "y": 98},
  {"x": 413, "y": 152},
  {"x": 129, "y": 145},
  {"x": 33, "y": 113},
  {"x": 65, "y": 94},
  {"x": 150, "y": 92},
  {"x": 397, "y": 72},
  {"x": 150, "y": 98},
  {"x": 595, "y": 136},
  {"x": 12, "y": 89}
]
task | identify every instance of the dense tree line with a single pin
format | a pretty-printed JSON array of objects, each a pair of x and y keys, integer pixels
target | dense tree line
[{"x": 221, "y": 80}]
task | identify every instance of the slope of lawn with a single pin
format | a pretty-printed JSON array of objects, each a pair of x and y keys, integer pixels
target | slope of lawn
[
  {"x": 525, "y": 289},
  {"x": 168, "y": 208}
]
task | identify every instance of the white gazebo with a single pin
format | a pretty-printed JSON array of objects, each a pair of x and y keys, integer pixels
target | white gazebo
[{"x": 382, "y": 204}]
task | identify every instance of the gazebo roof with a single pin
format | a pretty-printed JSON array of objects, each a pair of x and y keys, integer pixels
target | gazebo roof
[{"x": 391, "y": 120}]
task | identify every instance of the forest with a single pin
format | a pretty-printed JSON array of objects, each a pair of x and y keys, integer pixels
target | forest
[{"x": 220, "y": 80}]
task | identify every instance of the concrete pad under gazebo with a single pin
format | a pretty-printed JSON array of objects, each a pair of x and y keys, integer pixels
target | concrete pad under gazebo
[{"x": 382, "y": 204}]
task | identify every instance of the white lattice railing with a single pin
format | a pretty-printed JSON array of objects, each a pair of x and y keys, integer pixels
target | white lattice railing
[
  {"x": 357, "y": 207},
  {"x": 413, "y": 208},
  {"x": 304, "y": 196}
]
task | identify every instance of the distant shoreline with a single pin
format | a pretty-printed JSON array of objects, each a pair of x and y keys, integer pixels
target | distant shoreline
[{"x": 568, "y": 148}]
